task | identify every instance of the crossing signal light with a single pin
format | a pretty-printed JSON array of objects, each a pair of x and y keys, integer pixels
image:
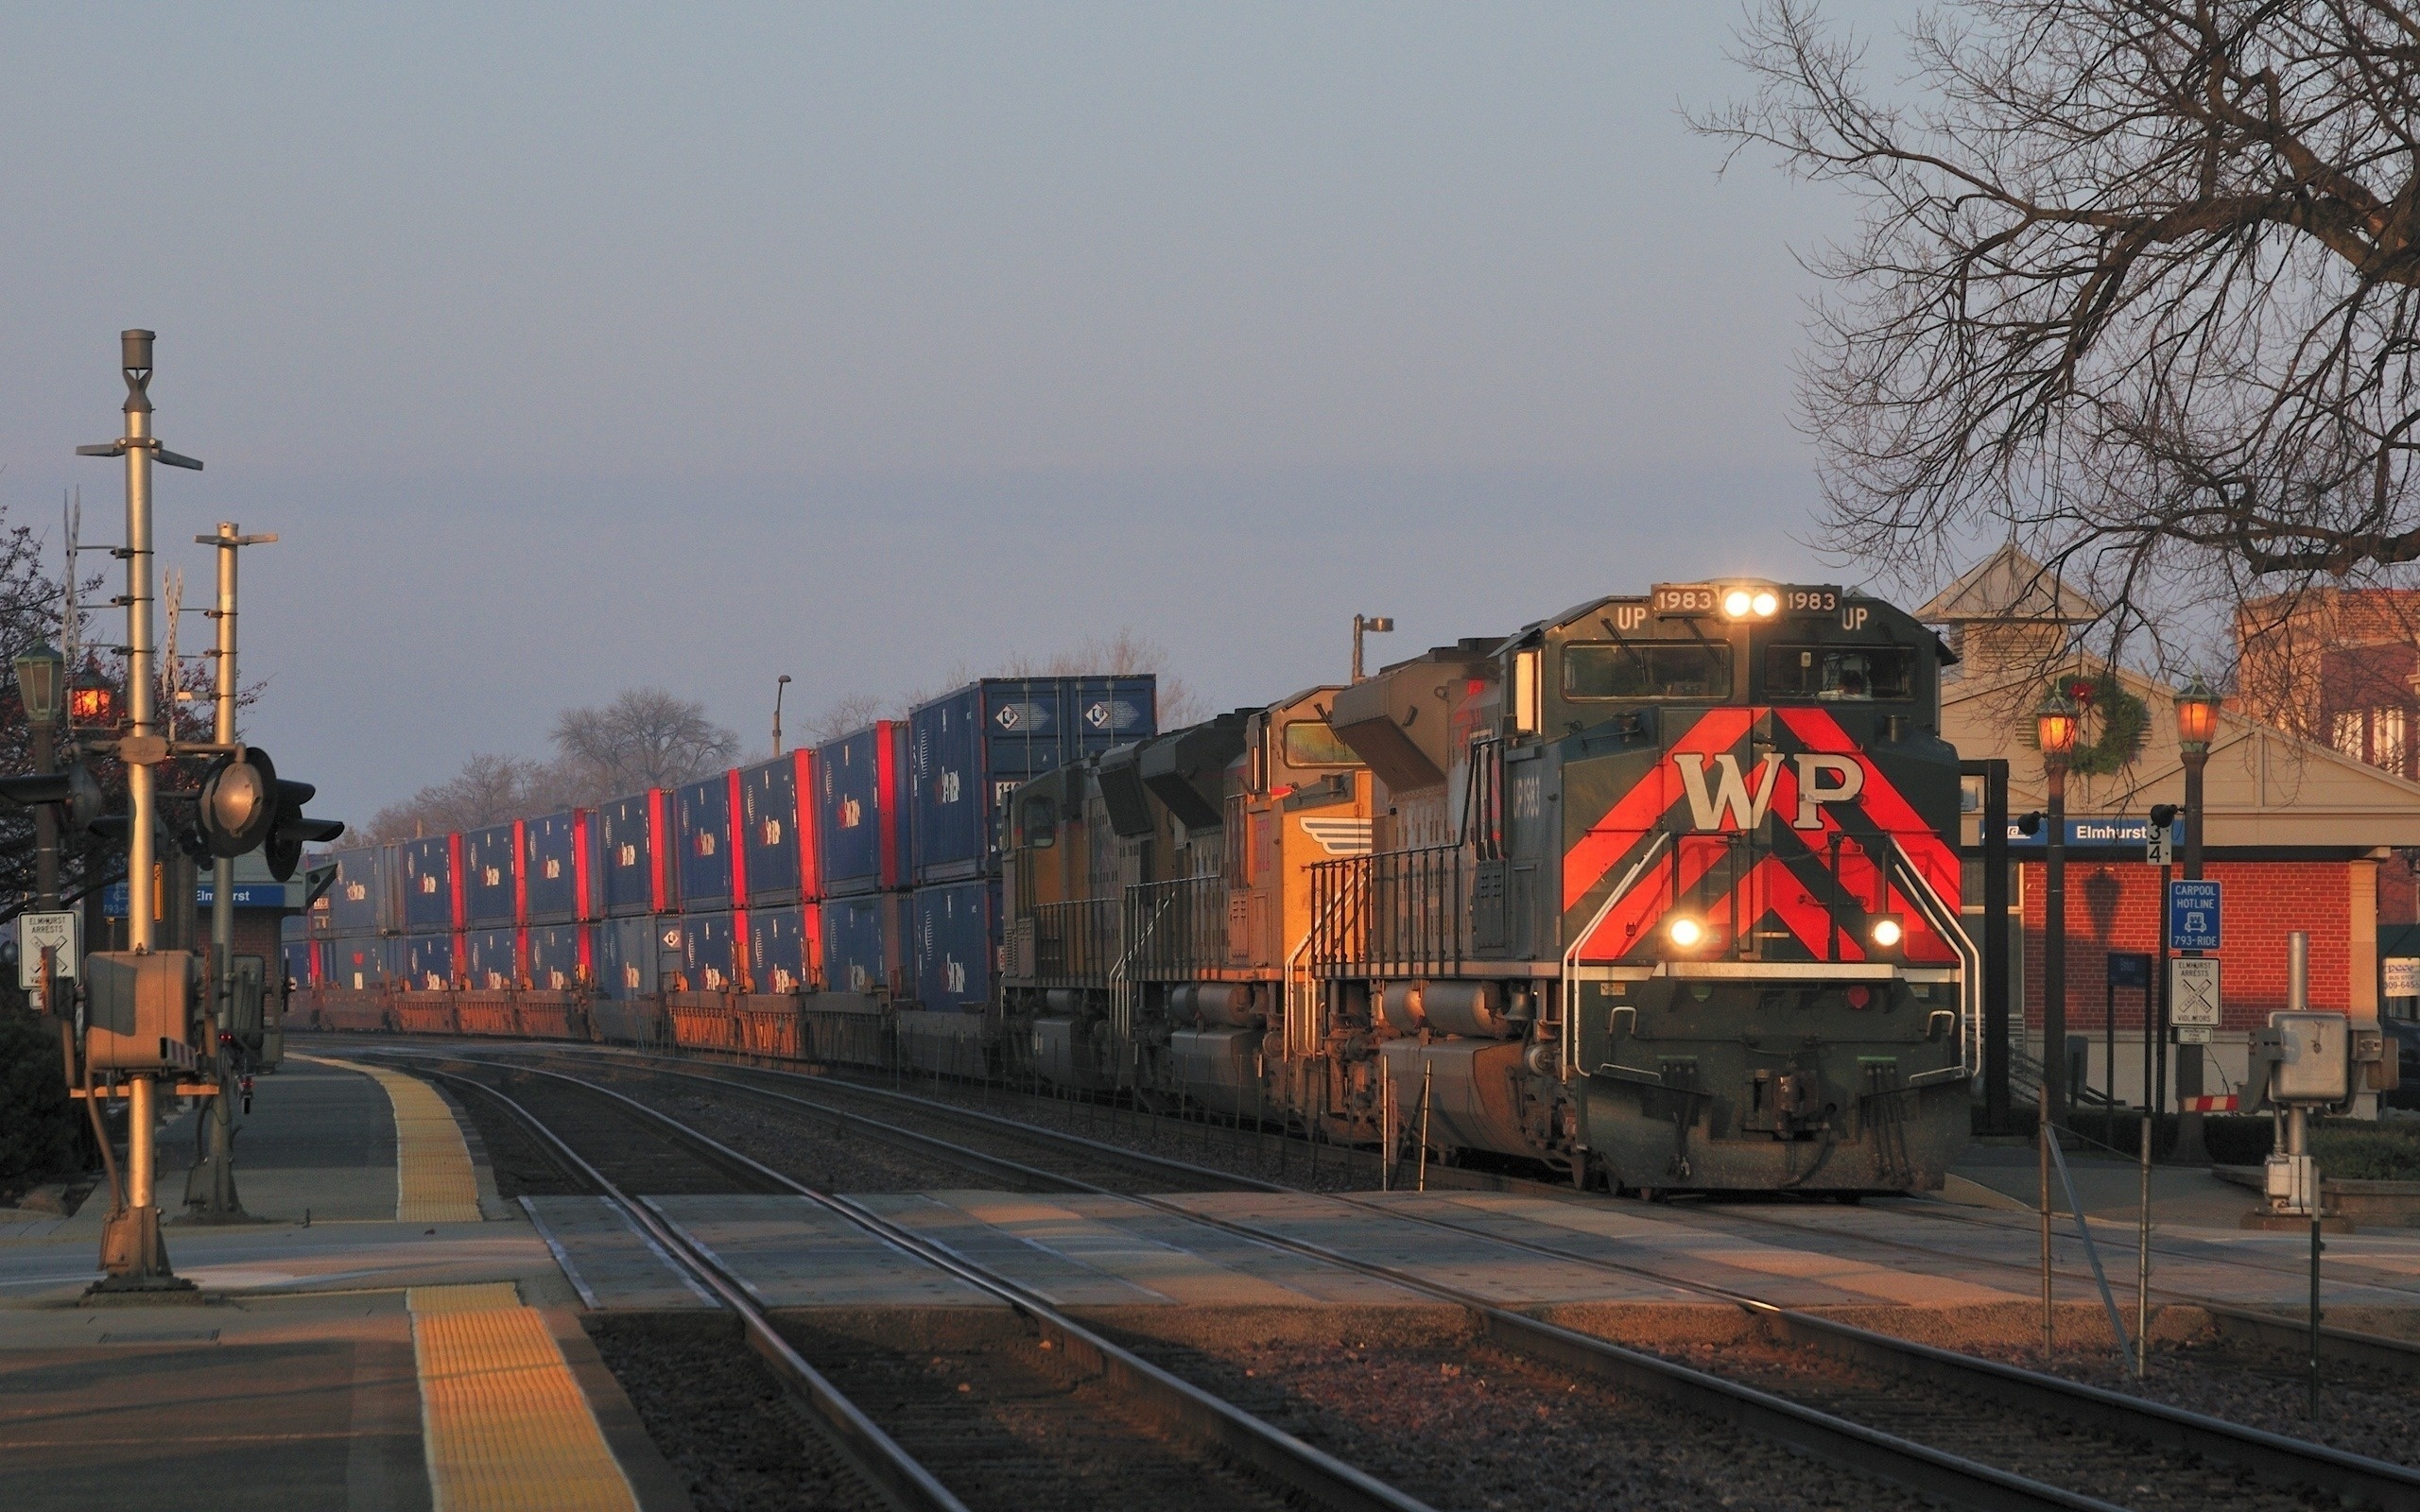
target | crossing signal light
[
  {"x": 74, "y": 790},
  {"x": 237, "y": 805},
  {"x": 244, "y": 805},
  {"x": 294, "y": 829},
  {"x": 2164, "y": 815}
]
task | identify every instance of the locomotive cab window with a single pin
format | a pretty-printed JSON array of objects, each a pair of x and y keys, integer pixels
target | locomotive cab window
[
  {"x": 1851, "y": 674},
  {"x": 1648, "y": 669},
  {"x": 1313, "y": 743},
  {"x": 1039, "y": 821}
]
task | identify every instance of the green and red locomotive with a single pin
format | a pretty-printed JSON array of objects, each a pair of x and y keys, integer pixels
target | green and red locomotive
[{"x": 1662, "y": 892}]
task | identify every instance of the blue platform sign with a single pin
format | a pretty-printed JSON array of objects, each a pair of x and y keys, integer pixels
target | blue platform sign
[
  {"x": 246, "y": 895},
  {"x": 2192, "y": 915}
]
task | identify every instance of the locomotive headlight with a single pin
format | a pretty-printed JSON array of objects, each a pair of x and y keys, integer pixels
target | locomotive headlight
[
  {"x": 1888, "y": 932},
  {"x": 1765, "y": 604},
  {"x": 1737, "y": 602},
  {"x": 1685, "y": 932}
]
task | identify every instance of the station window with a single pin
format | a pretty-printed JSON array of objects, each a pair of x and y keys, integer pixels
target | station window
[
  {"x": 1851, "y": 674},
  {"x": 1646, "y": 669},
  {"x": 1314, "y": 743}
]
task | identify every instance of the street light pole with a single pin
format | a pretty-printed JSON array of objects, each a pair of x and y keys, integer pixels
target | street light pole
[
  {"x": 2055, "y": 726},
  {"x": 1374, "y": 623},
  {"x": 41, "y": 671},
  {"x": 2197, "y": 725},
  {"x": 220, "y": 1201},
  {"x": 781, "y": 685}
]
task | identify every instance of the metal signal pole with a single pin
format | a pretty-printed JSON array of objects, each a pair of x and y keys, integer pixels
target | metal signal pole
[
  {"x": 220, "y": 1200},
  {"x": 138, "y": 1255}
]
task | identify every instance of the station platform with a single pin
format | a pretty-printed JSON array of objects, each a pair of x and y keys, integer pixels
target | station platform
[{"x": 386, "y": 1333}]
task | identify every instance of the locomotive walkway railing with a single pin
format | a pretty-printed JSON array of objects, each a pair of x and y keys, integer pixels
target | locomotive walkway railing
[
  {"x": 1176, "y": 928},
  {"x": 1075, "y": 944},
  {"x": 1398, "y": 913}
]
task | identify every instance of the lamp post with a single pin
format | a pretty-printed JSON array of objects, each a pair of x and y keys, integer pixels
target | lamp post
[
  {"x": 1374, "y": 623},
  {"x": 781, "y": 685},
  {"x": 2197, "y": 725},
  {"x": 2054, "y": 727},
  {"x": 39, "y": 671}
]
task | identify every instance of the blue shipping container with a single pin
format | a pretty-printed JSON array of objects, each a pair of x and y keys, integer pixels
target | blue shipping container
[
  {"x": 710, "y": 955},
  {"x": 362, "y": 899},
  {"x": 554, "y": 857},
  {"x": 860, "y": 809},
  {"x": 777, "y": 956},
  {"x": 637, "y": 956},
  {"x": 558, "y": 955},
  {"x": 957, "y": 931},
  {"x": 429, "y": 962},
  {"x": 768, "y": 829},
  {"x": 494, "y": 959},
  {"x": 974, "y": 746},
  {"x": 704, "y": 823},
  {"x": 491, "y": 877},
  {"x": 865, "y": 944},
  {"x": 295, "y": 954},
  {"x": 425, "y": 879},
  {"x": 629, "y": 846},
  {"x": 358, "y": 962}
]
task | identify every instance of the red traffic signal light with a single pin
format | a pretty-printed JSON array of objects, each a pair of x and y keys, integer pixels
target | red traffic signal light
[{"x": 92, "y": 706}]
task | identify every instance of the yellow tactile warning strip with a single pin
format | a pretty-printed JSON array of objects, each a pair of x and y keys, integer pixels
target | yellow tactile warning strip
[
  {"x": 505, "y": 1425},
  {"x": 434, "y": 1182}
]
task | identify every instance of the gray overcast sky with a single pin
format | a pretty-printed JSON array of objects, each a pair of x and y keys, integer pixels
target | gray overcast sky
[{"x": 577, "y": 348}]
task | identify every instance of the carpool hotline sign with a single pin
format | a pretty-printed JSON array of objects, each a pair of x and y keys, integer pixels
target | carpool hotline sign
[{"x": 2192, "y": 915}]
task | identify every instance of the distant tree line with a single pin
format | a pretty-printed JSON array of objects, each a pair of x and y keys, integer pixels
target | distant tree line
[{"x": 649, "y": 737}]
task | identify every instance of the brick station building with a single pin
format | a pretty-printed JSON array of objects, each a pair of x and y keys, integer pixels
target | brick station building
[{"x": 2301, "y": 834}]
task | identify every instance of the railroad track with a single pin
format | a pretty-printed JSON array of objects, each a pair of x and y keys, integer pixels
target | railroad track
[
  {"x": 1861, "y": 1400},
  {"x": 940, "y": 1432},
  {"x": 2267, "y": 1330}
]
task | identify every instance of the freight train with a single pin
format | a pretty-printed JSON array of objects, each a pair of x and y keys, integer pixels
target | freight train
[{"x": 1659, "y": 894}]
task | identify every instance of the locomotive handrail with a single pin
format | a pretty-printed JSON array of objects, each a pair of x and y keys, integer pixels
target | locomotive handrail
[
  {"x": 1571, "y": 954},
  {"x": 1945, "y": 923},
  {"x": 1294, "y": 964}
]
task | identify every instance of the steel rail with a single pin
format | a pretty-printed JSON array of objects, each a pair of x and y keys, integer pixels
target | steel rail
[
  {"x": 871, "y": 1452},
  {"x": 1850, "y": 1445},
  {"x": 2344, "y": 1345},
  {"x": 1177, "y": 1404},
  {"x": 2272, "y": 1457}
]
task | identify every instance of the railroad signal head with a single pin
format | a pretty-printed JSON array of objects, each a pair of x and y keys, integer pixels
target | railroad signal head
[
  {"x": 74, "y": 790},
  {"x": 239, "y": 802},
  {"x": 293, "y": 829},
  {"x": 2164, "y": 815},
  {"x": 2029, "y": 825}
]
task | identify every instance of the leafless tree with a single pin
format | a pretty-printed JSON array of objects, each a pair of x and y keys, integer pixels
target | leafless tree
[
  {"x": 2136, "y": 282},
  {"x": 647, "y": 737}
]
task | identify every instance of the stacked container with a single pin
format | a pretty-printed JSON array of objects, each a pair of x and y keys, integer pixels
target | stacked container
[
  {"x": 863, "y": 838},
  {"x": 560, "y": 897},
  {"x": 357, "y": 918},
  {"x": 782, "y": 870},
  {"x": 428, "y": 884},
  {"x": 970, "y": 750},
  {"x": 635, "y": 855},
  {"x": 714, "y": 881}
]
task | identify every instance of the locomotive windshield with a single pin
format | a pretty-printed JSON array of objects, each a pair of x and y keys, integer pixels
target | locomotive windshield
[
  {"x": 1648, "y": 669},
  {"x": 1847, "y": 673},
  {"x": 1314, "y": 743}
]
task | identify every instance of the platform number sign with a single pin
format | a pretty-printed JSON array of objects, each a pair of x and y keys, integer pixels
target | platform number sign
[{"x": 2192, "y": 915}]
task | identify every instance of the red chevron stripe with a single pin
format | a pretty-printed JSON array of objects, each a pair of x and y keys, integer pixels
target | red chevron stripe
[
  {"x": 1621, "y": 827},
  {"x": 1889, "y": 809}
]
